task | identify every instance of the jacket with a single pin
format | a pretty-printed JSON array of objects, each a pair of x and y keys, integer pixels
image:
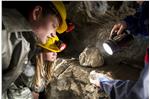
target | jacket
[{"x": 18, "y": 45}]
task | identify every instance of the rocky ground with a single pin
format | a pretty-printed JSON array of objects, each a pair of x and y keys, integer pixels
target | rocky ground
[{"x": 71, "y": 79}]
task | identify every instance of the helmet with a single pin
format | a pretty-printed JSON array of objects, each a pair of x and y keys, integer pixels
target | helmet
[
  {"x": 60, "y": 7},
  {"x": 53, "y": 44}
]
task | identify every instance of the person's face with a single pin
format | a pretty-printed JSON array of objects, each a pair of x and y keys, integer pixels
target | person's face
[
  {"x": 44, "y": 26},
  {"x": 50, "y": 56}
]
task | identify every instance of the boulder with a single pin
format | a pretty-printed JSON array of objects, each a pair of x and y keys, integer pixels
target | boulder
[{"x": 92, "y": 57}]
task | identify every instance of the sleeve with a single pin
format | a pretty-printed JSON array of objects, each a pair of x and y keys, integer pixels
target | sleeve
[
  {"x": 139, "y": 22},
  {"x": 14, "y": 58},
  {"x": 132, "y": 22},
  {"x": 119, "y": 89},
  {"x": 11, "y": 73},
  {"x": 7, "y": 51}
]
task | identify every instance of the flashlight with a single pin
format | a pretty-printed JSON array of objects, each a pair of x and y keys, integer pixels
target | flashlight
[{"x": 117, "y": 42}]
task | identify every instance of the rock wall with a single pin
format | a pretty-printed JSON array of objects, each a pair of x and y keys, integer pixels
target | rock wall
[{"x": 94, "y": 21}]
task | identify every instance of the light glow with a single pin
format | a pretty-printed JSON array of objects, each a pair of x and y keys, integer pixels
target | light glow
[{"x": 107, "y": 48}]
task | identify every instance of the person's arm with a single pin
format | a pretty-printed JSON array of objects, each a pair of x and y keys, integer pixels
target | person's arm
[
  {"x": 136, "y": 24},
  {"x": 14, "y": 57},
  {"x": 35, "y": 95},
  {"x": 132, "y": 22},
  {"x": 118, "y": 89},
  {"x": 9, "y": 62}
]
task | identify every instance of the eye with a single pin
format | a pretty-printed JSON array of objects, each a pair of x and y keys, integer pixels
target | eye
[{"x": 54, "y": 26}]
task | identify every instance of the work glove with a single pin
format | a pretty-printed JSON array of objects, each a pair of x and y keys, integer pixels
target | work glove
[{"x": 97, "y": 78}]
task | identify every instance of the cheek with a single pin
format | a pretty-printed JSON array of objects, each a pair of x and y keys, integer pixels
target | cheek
[
  {"x": 50, "y": 56},
  {"x": 40, "y": 32},
  {"x": 43, "y": 35},
  {"x": 46, "y": 25},
  {"x": 49, "y": 26},
  {"x": 43, "y": 38},
  {"x": 44, "y": 28}
]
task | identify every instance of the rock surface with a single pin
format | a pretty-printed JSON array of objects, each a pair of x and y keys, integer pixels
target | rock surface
[
  {"x": 93, "y": 22},
  {"x": 71, "y": 79},
  {"x": 92, "y": 57}
]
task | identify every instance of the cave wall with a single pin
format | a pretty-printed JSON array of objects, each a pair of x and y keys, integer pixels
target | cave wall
[{"x": 93, "y": 22}]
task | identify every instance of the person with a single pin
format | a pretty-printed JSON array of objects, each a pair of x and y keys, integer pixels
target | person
[
  {"x": 34, "y": 79},
  {"x": 37, "y": 76},
  {"x": 24, "y": 24},
  {"x": 38, "y": 72},
  {"x": 43, "y": 64},
  {"x": 127, "y": 89}
]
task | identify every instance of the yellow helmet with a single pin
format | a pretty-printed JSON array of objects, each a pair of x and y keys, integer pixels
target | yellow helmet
[
  {"x": 53, "y": 44},
  {"x": 60, "y": 7}
]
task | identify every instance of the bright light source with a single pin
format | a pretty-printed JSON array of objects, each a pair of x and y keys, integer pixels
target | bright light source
[{"x": 107, "y": 48}]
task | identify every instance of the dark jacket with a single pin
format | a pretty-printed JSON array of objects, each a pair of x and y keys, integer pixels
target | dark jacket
[
  {"x": 139, "y": 22},
  {"x": 17, "y": 42}
]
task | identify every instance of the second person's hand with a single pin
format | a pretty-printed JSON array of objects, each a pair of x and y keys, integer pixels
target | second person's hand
[{"x": 118, "y": 29}]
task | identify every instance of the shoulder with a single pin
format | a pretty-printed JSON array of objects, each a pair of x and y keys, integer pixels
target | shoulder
[{"x": 13, "y": 21}]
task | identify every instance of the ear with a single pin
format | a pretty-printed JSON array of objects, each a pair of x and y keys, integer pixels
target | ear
[{"x": 37, "y": 12}]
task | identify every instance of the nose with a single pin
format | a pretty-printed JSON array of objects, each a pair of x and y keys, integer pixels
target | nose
[{"x": 53, "y": 34}]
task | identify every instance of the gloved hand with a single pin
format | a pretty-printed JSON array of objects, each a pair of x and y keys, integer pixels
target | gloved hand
[{"x": 96, "y": 78}]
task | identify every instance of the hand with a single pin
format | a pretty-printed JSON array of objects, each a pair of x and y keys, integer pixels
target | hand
[
  {"x": 95, "y": 78},
  {"x": 118, "y": 28},
  {"x": 35, "y": 95}
]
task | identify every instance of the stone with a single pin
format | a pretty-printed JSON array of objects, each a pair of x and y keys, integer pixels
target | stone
[
  {"x": 60, "y": 65},
  {"x": 71, "y": 80},
  {"x": 91, "y": 56}
]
